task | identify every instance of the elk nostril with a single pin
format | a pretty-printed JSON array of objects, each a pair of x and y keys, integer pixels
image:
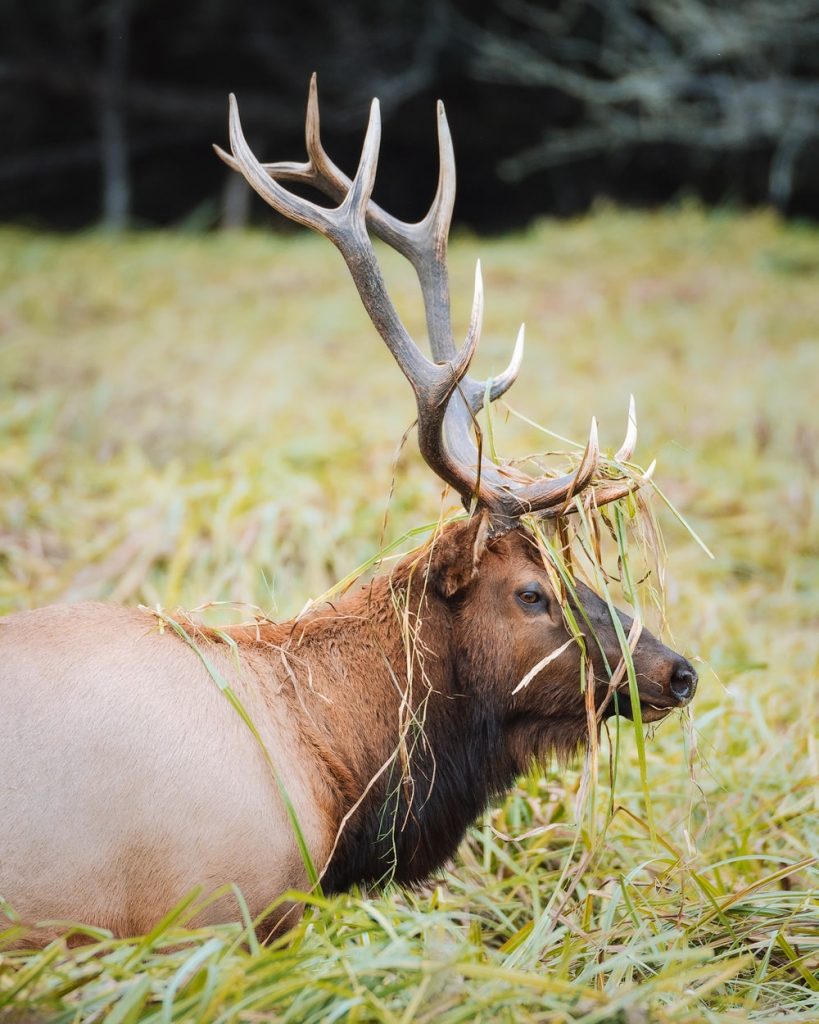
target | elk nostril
[{"x": 683, "y": 682}]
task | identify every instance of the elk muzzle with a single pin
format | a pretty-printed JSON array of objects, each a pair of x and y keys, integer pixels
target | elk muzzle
[
  {"x": 665, "y": 680},
  {"x": 670, "y": 684}
]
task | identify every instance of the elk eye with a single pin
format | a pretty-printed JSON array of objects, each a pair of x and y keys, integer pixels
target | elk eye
[{"x": 532, "y": 598}]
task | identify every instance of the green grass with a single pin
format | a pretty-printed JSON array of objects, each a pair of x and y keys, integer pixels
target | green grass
[{"x": 196, "y": 419}]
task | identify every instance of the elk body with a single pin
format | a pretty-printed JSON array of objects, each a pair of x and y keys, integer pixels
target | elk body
[{"x": 387, "y": 720}]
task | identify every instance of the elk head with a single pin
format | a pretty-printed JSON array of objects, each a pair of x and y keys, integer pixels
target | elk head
[
  {"x": 517, "y": 652},
  {"x": 493, "y": 563}
]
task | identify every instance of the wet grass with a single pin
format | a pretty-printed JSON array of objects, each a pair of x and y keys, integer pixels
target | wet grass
[{"x": 196, "y": 419}]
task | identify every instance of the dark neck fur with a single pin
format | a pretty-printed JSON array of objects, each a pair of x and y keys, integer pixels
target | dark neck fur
[{"x": 406, "y": 828}]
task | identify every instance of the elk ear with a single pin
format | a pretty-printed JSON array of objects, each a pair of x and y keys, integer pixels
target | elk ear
[{"x": 456, "y": 554}]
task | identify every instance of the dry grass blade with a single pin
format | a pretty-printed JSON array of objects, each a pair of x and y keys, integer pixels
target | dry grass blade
[{"x": 530, "y": 675}]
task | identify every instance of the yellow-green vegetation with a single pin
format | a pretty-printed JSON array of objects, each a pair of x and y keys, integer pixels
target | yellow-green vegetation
[{"x": 197, "y": 419}]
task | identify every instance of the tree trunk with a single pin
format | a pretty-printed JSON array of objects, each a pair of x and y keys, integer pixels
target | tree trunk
[
  {"x": 116, "y": 184},
  {"x": 235, "y": 202}
]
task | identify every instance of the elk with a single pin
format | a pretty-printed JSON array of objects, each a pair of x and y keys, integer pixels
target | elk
[{"x": 383, "y": 723}]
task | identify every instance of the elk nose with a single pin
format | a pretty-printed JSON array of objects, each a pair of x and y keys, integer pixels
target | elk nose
[{"x": 683, "y": 681}]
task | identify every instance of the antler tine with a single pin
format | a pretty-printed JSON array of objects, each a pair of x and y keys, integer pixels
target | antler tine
[
  {"x": 322, "y": 173},
  {"x": 626, "y": 450},
  {"x": 329, "y": 178},
  {"x": 501, "y": 384},
  {"x": 460, "y": 364},
  {"x": 444, "y": 422},
  {"x": 424, "y": 244},
  {"x": 431, "y": 237},
  {"x": 356, "y": 200},
  {"x": 439, "y": 215}
]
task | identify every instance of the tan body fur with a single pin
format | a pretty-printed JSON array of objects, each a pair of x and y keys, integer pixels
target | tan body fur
[{"x": 127, "y": 778}]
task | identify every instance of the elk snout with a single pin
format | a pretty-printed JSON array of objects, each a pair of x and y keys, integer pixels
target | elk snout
[{"x": 683, "y": 682}]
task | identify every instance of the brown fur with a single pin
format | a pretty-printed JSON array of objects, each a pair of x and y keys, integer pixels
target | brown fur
[{"x": 389, "y": 717}]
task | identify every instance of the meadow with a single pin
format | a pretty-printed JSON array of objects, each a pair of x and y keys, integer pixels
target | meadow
[{"x": 210, "y": 420}]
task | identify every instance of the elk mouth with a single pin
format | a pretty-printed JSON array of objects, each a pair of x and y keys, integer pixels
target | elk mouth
[
  {"x": 652, "y": 709},
  {"x": 656, "y": 699}
]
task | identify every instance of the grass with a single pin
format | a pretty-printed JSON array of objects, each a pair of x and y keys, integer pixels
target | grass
[{"x": 188, "y": 420}]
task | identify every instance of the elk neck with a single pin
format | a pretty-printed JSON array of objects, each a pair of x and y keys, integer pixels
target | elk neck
[{"x": 378, "y": 691}]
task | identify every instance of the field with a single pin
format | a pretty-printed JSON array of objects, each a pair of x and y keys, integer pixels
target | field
[{"x": 192, "y": 419}]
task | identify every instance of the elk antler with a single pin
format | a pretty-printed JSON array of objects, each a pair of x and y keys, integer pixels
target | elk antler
[{"x": 447, "y": 399}]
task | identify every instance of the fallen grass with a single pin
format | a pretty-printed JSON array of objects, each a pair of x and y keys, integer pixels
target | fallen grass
[{"x": 188, "y": 420}]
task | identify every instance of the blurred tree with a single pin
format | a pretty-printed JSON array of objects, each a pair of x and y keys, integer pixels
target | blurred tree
[
  {"x": 116, "y": 191},
  {"x": 109, "y": 106},
  {"x": 704, "y": 76},
  {"x": 76, "y": 72}
]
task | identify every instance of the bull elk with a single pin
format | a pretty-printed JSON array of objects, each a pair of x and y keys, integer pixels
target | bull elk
[{"x": 384, "y": 722}]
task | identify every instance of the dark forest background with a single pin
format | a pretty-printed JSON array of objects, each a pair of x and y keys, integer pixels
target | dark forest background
[{"x": 109, "y": 108}]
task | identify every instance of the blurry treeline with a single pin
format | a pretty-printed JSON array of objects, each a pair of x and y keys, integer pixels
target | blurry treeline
[{"x": 109, "y": 107}]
